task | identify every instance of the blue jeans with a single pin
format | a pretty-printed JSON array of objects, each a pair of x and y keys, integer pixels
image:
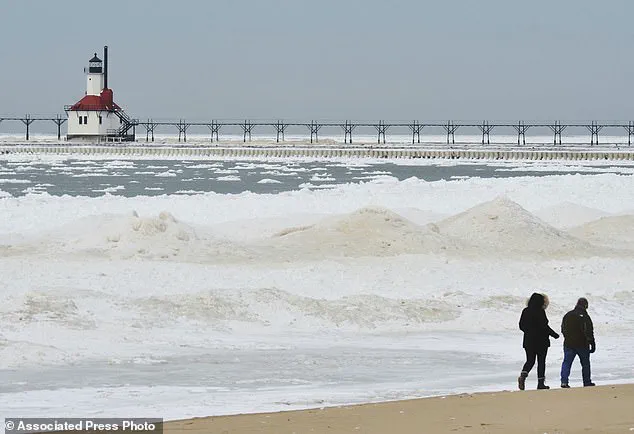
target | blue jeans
[{"x": 569, "y": 357}]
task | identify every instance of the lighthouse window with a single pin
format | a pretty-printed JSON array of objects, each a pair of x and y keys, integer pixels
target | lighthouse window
[
  {"x": 100, "y": 120},
  {"x": 80, "y": 120},
  {"x": 85, "y": 120}
]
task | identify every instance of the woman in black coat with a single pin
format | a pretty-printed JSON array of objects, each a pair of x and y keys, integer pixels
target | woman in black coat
[{"x": 534, "y": 324}]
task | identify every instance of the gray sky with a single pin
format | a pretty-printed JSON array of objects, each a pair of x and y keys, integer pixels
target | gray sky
[{"x": 327, "y": 59}]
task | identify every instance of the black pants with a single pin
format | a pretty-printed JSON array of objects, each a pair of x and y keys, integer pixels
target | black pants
[{"x": 540, "y": 355}]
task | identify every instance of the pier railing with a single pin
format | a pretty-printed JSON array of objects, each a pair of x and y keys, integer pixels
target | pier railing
[{"x": 416, "y": 129}]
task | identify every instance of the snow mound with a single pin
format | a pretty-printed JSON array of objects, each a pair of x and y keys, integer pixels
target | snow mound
[
  {"x": 369, "y": 231},
  {"x": 567, "y": 215},
  {"x": 363, "y": 311},
  {"x": 611, "y": 231},
  {"x": 278, "y": 308},
  {"x": 503, "y": 226},
  {"x": 130, "y": 236},
  {"x": 51, "y": 308}
]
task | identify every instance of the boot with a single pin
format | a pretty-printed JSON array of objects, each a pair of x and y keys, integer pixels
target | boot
[
  {"x": 540, "y": 384},
  {"x": 521, "y": 380}
]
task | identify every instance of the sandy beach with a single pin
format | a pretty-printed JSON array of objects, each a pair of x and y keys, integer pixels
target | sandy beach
[{"x": 601, "y": 409}]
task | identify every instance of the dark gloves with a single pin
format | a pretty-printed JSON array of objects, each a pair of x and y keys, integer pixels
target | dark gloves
[{"x": 593, "y": 347}]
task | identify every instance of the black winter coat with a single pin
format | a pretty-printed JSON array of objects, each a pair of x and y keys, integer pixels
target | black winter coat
[
  {"x": 534, "y": 324},
  {"x": 577, "y": 329}
]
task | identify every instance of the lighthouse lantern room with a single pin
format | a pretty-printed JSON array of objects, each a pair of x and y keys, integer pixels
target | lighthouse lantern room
[{"x": 96, "y": 117}]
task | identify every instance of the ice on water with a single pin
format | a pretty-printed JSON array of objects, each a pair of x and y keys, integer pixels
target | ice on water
[{"x": 213, "y": 304}]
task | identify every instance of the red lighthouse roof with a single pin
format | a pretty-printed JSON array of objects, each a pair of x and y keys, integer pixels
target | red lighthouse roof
[{"x": 101, "y": 102}]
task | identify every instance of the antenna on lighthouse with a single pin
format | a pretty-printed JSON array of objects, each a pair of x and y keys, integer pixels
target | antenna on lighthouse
[{"x": 105, "y": 69}]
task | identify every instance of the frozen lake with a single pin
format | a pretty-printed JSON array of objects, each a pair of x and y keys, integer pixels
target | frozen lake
[
  {"x": 138, "y": 177},
  {"x": 405, "y": 282}
]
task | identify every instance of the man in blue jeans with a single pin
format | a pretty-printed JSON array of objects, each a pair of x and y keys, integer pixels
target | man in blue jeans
[{"x": 578, "y": 334}]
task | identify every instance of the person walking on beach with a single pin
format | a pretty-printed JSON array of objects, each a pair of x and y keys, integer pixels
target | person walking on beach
[
  {"x": 534, "y": 324},
  {"x": 578, "y": 332}
]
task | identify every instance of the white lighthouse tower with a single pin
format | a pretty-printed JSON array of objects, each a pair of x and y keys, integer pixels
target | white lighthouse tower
[{"x": 96, "y": 118}]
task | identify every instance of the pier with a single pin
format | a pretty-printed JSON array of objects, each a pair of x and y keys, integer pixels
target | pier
[
  {"x": 416, "y": 128},
  {"x": 348, "y": 127},
  {"x": 27, "y": 120}
]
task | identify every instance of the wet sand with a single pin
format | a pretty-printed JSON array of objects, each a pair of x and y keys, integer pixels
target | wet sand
[{"x": 600, "y": 409}]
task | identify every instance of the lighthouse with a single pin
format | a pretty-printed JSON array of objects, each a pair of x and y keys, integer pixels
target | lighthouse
[{"x": 96, "y": 117}]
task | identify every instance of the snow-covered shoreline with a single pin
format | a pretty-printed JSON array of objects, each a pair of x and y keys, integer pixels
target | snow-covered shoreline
[{"x": 407, "y": 286}]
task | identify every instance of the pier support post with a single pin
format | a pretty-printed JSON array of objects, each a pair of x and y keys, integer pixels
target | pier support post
[
  {"x": 214, "y": 128},
  {"x": 182, "y": 130},
  {"x": 27, "y": 120},
  {"x": 594, "y": 132},
  {"x": 59, "y": 121},
  {"x": 347, "y": 129},
  {"x": 381, "y": 128},
  {"x": 314, "y": 130},
  {"x": 246, "y": 129},
  {"x": 416, "y": 127},
  {"x": 557, "y": 128},
  {"x": 280, "y": 127},
  {"x": 630, "y": 130},
  {"x": 521, "y": 129},
  {"x": 149, "y": 130},
  {"x": 451, "y": 128},
  {"x": 486, "y": 130}
]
